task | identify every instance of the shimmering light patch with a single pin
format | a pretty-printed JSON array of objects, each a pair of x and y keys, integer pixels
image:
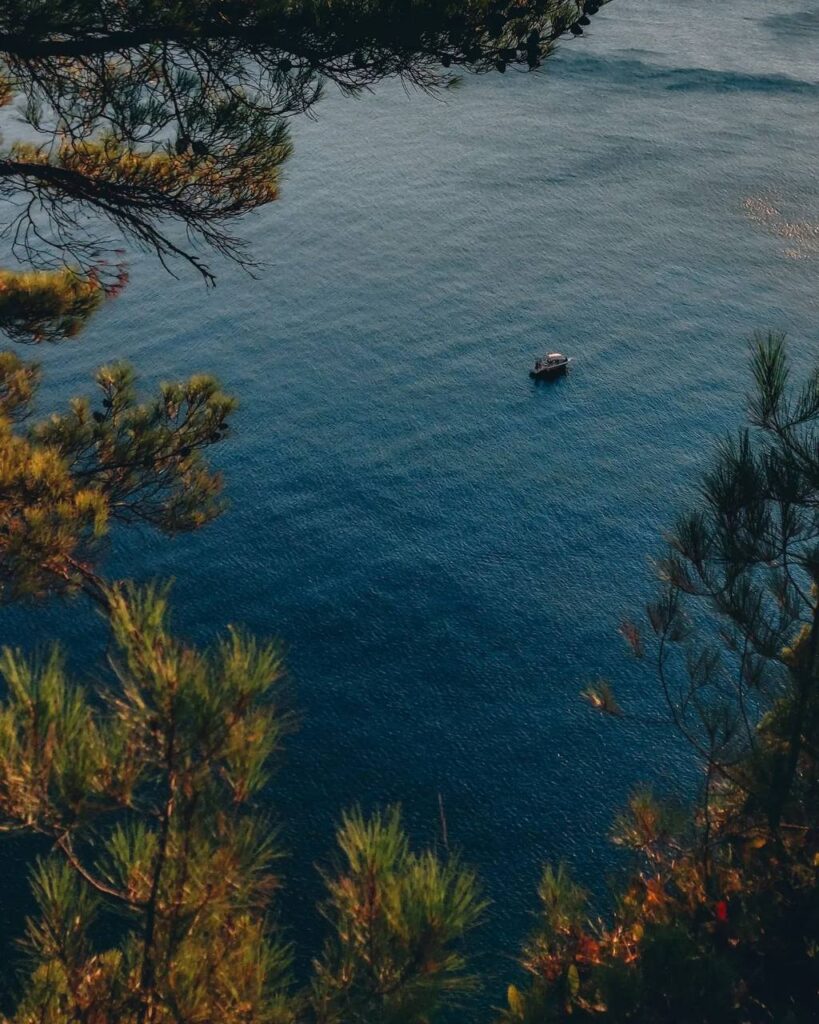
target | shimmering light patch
[{"x": 801, "y": 237}]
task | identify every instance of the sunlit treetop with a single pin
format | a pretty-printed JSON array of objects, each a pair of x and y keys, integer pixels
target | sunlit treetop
[
  {"x": 169, "y": 121},
  {"x": 50, "y": 305},
  {"x": 65, "y": 480}
]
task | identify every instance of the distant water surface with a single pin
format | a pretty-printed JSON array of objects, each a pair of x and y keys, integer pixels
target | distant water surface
[{"x": 444, "y": 549}]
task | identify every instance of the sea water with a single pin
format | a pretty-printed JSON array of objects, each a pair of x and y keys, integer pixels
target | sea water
[{"x": 443, "y": 548}]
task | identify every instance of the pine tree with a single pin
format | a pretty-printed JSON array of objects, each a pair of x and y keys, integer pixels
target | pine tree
[
  {"x": 748, "y": 556},
  {"x": 718, "y": 922},
  {"x": 49, "y": 305},
  {"x": 156, "y": 902},
  {"x": 65, "y": 480},
  {"x": 398, "y": 919},
  {"x": 153, "y": 117},
  {"x": 145, "y": 792}
]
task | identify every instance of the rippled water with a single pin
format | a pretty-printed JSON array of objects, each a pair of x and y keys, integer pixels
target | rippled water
[{"x": 444, "y": 548}]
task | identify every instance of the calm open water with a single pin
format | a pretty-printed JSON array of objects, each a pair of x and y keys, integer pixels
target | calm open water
[{"x": 444, "y": 549}]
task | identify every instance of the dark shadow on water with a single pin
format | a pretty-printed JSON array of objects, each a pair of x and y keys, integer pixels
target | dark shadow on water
[
  {"x": 636, "y": 73},
  {"x": 785, "y": 26}
]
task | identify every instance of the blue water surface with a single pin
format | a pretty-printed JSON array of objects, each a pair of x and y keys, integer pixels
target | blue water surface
[{"x": 444, "y": 548}]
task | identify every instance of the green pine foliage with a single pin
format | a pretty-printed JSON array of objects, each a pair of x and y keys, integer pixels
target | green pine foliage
[
  {"x": 747, "y": 556},
  {"x": 49, "y": 305},
  {"x": 719, "y": 921},
  {"x": 156, "y": 903},
  {"x": 146, "y": 794},
  {"x": 149, "y": 116},
  {"x": 65, "y": 480},
  {"x": 398, "y": 921},
  {"x": 156, "y": 898}
]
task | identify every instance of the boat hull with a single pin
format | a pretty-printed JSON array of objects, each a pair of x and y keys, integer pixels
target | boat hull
[{"x": 549, "y": 372}]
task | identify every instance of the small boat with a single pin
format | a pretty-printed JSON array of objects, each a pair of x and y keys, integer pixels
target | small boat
[{"x": 552, "y": 365}]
